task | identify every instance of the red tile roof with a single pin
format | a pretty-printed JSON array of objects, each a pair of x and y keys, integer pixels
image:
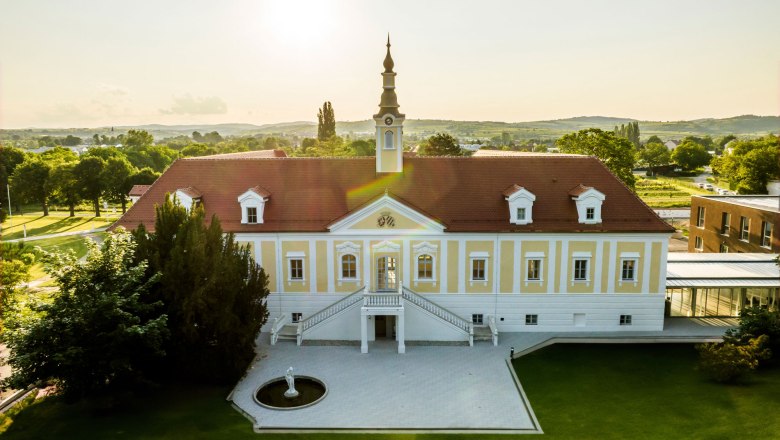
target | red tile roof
[
  {"x": 511, "y": 190},
  {"x": 579, "y": 189},
  {"x": 258, "y": 154},
  {"x": 260, "y": 191},
  {"x": 464, "y": 194},
  {"x": 138, "y": 190},
  {"x": 190, "y": 191}
]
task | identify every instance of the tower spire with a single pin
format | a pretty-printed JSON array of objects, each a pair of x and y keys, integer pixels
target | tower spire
[{"x": 388, "y": 59}]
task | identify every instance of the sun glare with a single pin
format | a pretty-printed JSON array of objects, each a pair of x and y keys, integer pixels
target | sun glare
[{"x": 298, "y": 22}]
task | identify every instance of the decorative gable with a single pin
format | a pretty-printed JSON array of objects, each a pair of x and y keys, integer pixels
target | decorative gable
[
  {"x": 521, "y": 203},
  {"x": 588, "y": 200},
  {"x": 253, "y": 205},
  {"x": 188, "y": 196},
  {"x": 383, "y": 215}
]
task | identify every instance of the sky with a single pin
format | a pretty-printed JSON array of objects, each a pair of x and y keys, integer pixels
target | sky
[{"x": 93, "y": 63}]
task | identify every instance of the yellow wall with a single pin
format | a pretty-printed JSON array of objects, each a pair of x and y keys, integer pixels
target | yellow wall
[
  {"x": 389, "y": 157},
  {"x": 452, "y": 266},
  {"x": 581, "y": 286},
  {"x": 268, "y": 252},
  {"x": 535, "y": 286},
  {"x": 629, "y": 287},
  {"x": 480, "y": 286},
  {"x": 322, "y": 266},
  {"x": 557, "y": 262},
  {"x": 655, "y": 268},
  {"x": 508, "y": 266},
  {"x": 295, "y": 286}
]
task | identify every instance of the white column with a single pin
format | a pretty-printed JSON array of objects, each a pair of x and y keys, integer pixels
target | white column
[
  {"x": 597, "y": 271},
  {"x": 400, "y": 332},
  {"x": 368, "y": 263},
  {"x": 564, "y": 280},
  {"x": 329, "y": 256},
  {"x": 312, "y": 266},
  {"x": 461, "y": 266},
  {"x": 443, "y": 288},
  {"x": 363, "y": 333},
  {"x": 407, "y": 263},
  {"x": 613, "y": 255}
]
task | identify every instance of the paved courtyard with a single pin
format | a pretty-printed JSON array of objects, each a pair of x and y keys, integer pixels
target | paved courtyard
[{"x": 430, "y": 388}]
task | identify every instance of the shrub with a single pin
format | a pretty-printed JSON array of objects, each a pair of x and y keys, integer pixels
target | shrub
[
  {"x": 727, "y": 362},
  {"x": 756, "y": 321}
]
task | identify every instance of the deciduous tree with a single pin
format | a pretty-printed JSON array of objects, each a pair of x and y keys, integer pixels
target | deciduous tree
[
  {"x": 440, "y": 144},
  {"x": 116, "y": 177},
  {"x": 616, "y": 153},
  {"x": 655, "y": 155},
  {"x": 31, "y": 182},
  {"x": 326, "y": 122},
  {"x": 690, "y": 155},
  {"x": 89, "y": 171}
]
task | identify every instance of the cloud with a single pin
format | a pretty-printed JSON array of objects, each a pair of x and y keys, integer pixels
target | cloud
[{"x": 189, "y": 105}]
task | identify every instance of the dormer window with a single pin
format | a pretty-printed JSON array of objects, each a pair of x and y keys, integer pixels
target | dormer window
[
  {"x": 521, "y": 203},
  {"x": 253, "y": 205},
  {"x": 589, "y": 201},
  {"x": 188, "y": 197}
]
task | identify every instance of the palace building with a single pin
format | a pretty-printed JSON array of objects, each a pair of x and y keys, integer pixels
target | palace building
[{"x": 416, "y": 248}]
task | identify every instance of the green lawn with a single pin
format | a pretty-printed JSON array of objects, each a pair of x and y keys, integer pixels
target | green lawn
[
  {"x": 76, "y": 243},
  {"x": 647, "y": 391},
  {"x": 577, "y": 391},
  {"x": 55, "y": 222}
]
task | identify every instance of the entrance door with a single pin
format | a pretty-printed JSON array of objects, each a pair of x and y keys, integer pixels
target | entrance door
[
  {"x": 385, "y": 274},
  {"x": 384, "y": 326}
]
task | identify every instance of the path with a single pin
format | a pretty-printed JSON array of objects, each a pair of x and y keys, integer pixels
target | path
[{"x": 59, "y": 234}]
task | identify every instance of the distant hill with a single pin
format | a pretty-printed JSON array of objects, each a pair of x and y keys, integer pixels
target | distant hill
[{"x": 743, "y": 126}]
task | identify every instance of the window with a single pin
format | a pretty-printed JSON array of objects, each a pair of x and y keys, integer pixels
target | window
[
  {"x": 744, "y": 228},
  {"x": 251, "y": 215},
  {"x": 625, "y": 319},
  {"x": 297, "y": 316},
  {"x": 296, "y": 269},
  {"x": 348, "y": 267},
  {"x": 531, "y": 319},
  {"x": 725, "y": 220},
  {"x": 590, "y": 213},
  {"x": 478, "y": 266},
  {"x": 389, "y": 140},
  {"x": 520, "y": 214},
  {"x": 520, "y": 203},
  {"x": 477, "y": 319},
  {"x": 724, "y": 248},
  {"x": 580, "y": 270},
  {"x": 698, "y": 244},
  {"x": 628, "y": 270},
  {"x": 766, "y": 234},
  {"x": 700, "y": 217},
  {"x": 534, "y": 270},
  {"x": 425, "y": 267}
]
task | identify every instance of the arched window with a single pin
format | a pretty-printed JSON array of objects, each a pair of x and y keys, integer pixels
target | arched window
[
  {"x": 348, "y": 266},
  {"x": 389, "y": 140},
  {"x": 424, "y": 267}
]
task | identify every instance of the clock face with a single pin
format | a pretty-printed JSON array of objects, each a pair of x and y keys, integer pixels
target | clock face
[{"x": 388, "y": 120}]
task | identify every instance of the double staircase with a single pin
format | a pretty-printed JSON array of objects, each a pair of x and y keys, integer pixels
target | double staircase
[{"x": 394, "y": 300}]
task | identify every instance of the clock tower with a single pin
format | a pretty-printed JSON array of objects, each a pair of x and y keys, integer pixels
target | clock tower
[{"x": 389, "y": 123}]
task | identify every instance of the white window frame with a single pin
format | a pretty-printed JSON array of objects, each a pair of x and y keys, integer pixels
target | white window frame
[
  {"x": 479, "y": 256},
  {"x": 251, "y": 199},
  {"x": 626, "y": 320},
  {"x": 590, "y": 213},
  {"x": 766, "y": 237},
  {"x": 532, "y": 319},
  {"x": 723, "y": 248},
  {"x": 700, "y": 212},
  {"x": 727, "y": 225},
  {"x": 478, "y": 319},
  {"x": 698, "y": 243},
  {"x": 296, "y": 256},
  {"x": 417, "y": 271},
  {"x": 348, "y": 248},
  {"x": 744, "y": 229},
  {"x": 341, "y": 266},
  {"x": 425, "y": 248},
  {"x": 249, "y": 215},
  {"x": 391, "y": 145},
  {"x": 521, "y": 214},
  {"x": 629, "y": 256},
  {"x": 293, "y": 316},
  {"x": 534, "y": 256},
  {"x": 580, "y": 256}
]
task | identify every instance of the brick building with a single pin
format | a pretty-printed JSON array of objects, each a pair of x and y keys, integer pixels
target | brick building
[{"x": 737, "y": 224}]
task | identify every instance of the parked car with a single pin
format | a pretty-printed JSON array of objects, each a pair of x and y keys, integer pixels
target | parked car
[
  {"x": 708, "y": 187},
  {"x": 701, "y": 184}
]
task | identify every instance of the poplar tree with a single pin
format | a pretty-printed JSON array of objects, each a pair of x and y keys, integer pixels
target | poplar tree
[{"x": 326, "y": 122}]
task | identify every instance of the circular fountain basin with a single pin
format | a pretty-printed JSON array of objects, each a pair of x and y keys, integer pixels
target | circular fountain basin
[{"x": 271, "y": 394}]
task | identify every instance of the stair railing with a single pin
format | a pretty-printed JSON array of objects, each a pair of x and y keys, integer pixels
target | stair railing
[
  {"x": 437, "y": 310},
  {"x": 279, "y": 322},
  {"x": 327, "y": 312}
]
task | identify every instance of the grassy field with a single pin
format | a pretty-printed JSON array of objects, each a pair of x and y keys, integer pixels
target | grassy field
[
  {"x": 667, "y": 192},
  {"x": 76, "y": 243},
  {"x": 54, "y": 223},
  {"x": 643, "y": 391}
]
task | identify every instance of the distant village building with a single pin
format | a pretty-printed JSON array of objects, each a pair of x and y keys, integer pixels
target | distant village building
[
  {"x": 671, "y": 145},
  {"x": 137, "y": 191}
]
